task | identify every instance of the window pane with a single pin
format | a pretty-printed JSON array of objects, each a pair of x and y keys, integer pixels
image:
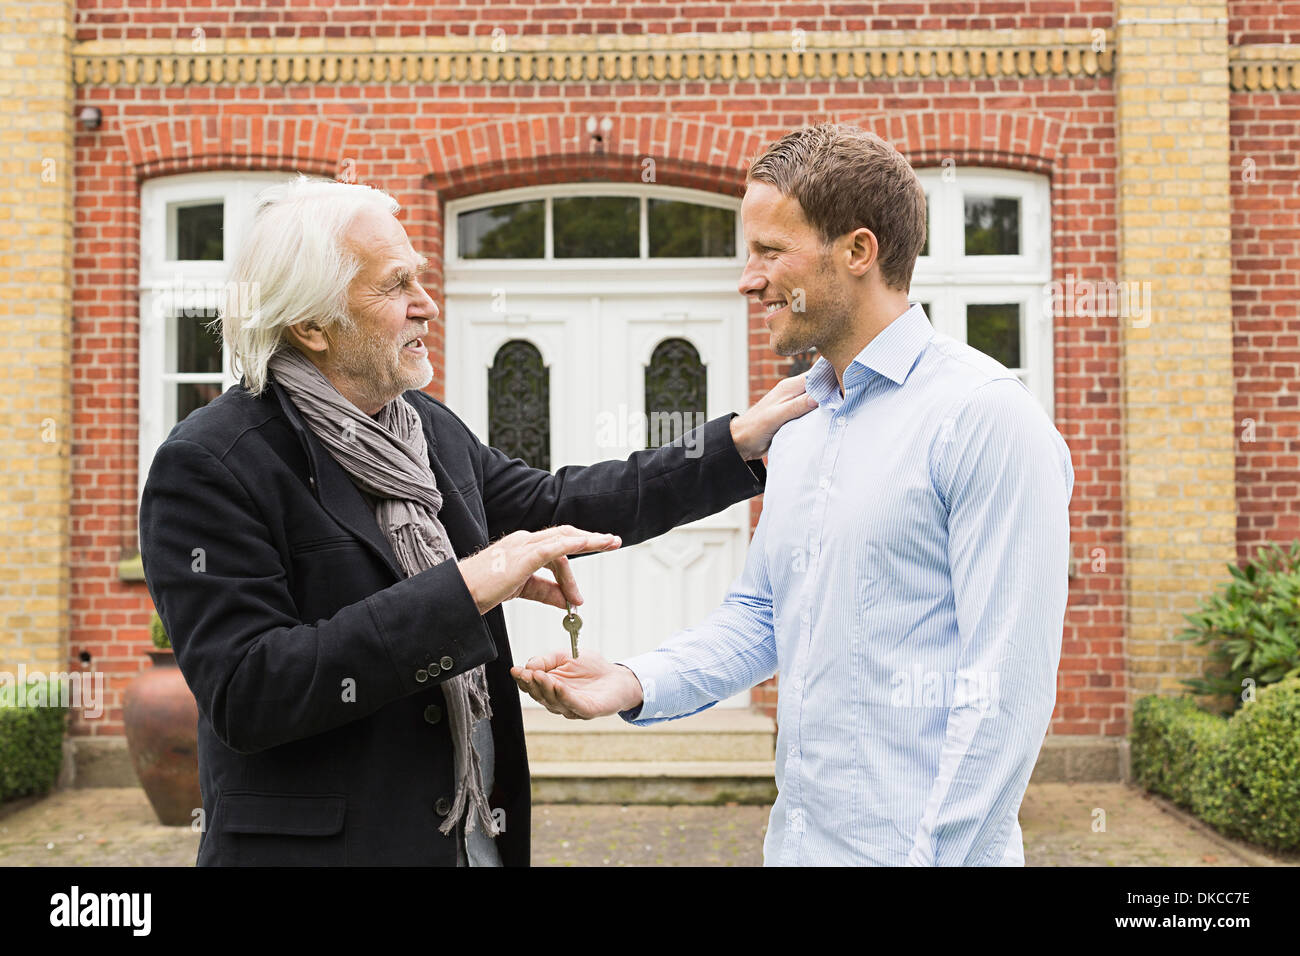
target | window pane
[
  {"x": 198, "y": 232},
  {"x": 689, "y": 230},
  {"x": 597, "y": 227},
  {"x": 197, "y": 349},
  {"x": 995, "y": 331},
  {"x": 512, "y": 231},
  {"x": 675, "y": 389},
  {"x": 519, "y": 404},
  {"x": 992, "y": 226}
]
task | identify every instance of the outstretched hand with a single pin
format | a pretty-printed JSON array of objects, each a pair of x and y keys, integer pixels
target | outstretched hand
[{"x": 578, "y": 689}]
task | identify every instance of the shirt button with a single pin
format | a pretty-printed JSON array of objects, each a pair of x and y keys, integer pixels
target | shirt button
[
  {"x": 793, "y": 750},
  {"x": 442, "y": 807},
  {"x": 421, "y": 676},
  {"x": 804, "y": 617},
  {"x": 433, "y": 713},
  {"x": 824, "y": 483},
  {"x": 446, "y": 663}
]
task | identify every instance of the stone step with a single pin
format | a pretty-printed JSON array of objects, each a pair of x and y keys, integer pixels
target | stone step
[
  {"x": 712, "y": 737},
  {"x": 654, "y": 782}
]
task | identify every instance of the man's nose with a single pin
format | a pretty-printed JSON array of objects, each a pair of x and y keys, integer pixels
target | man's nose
[
  {"x": 426, "y": 304},
  {"x": 751, "y": 282}
]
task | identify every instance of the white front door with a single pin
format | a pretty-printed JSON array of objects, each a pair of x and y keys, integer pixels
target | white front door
[{"x": 596, "y": 340}]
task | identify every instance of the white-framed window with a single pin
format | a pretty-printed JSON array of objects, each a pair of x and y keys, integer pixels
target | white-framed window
[
  {"x": 190, "y": 229},
  {"x": 593, "y": 226},
  {"x": 986, "y": 263}
]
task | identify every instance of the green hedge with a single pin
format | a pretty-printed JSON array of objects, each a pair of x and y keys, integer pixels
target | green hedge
[
  {"x": 1241, "y": 774},
  {"x": 31, "y": 743}
]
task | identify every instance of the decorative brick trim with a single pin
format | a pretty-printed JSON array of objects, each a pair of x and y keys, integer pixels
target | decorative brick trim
[
  {"x": 536, "y": 150},
  {"x": 195, "y": 143},
  {"x": 902, "y": 54},
  {"x": 1264, "y": 66},
  {"x": 1012, "y": 140}
]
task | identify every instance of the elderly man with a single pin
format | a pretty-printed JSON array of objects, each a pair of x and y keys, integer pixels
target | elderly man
[
  {"x": 316, "y": 541},
  {"x": 908, "y": 573}
]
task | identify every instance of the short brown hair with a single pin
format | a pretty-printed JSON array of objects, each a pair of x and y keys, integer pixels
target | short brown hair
[{"x": 846, "y": 178}]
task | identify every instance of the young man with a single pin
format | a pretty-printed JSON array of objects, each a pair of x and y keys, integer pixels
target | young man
[{"x": 908, "y": 574}]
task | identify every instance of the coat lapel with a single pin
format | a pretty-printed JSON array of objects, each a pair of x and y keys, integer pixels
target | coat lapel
[
  {"x": 343, "y": 500},
  {"x": 464, "y": 533}
]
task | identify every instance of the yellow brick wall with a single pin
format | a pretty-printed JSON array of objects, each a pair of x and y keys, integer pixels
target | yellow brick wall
[
  {"x": 36, "y": 126},
  {"x": 1180, "y": 525}
]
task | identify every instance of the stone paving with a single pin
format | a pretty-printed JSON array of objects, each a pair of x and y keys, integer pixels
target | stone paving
[{"x": 116, "y": 827}]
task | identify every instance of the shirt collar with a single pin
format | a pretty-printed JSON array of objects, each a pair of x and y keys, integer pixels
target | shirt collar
[{"x": 892, "y": 353}]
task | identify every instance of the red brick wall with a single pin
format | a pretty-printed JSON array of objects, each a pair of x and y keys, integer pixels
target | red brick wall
[
  {"x": 414, "y": 141},
  {"x": 1266, "y": 322},
  {"x": 172, "y": 19},
  {"x": 1263, "y": 22}
]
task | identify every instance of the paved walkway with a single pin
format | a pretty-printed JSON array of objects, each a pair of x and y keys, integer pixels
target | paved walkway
[{"x": 116, "y": 827}]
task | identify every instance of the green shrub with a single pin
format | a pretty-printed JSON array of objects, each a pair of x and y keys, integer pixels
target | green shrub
[
  {"x": 1263, "y": 761},
  {"x": 1252, "y": 625},
  {"x": 1241, "y": 774},
  {"x": 1172, "y": 739},
  {"x": 31, "y": 741},
  {"x": 158, "y": 633}
]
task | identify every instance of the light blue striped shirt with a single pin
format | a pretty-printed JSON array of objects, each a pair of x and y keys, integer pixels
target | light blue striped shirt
[{"x": 908, "y": 579}]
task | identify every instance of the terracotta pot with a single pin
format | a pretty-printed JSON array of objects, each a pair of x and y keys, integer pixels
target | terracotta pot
[{"x": 162, "y": 735}]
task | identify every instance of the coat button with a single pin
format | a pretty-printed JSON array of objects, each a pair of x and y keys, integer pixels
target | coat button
[
  {"x": 433, "y": 713},
  {"x": 433, "y": 669},
  {"x": 446, "y": 663},
  {"x": 442, "y": 807},
  {"x": 421, "y": 676}
]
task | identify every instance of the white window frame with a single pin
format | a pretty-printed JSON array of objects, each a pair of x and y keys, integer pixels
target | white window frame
[
  {"x": 949, "y": 280},
  {"x": 563, "y": 267},
  {"x": 167, "y": 284}
]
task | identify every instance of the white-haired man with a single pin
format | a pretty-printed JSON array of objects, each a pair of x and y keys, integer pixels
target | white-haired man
[{"x": 343, "y": 632}]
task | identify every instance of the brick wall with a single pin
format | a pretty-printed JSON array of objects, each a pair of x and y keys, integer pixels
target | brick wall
[
  {"x": 404, "y": 137},
  {"x": 35, "y": 332},
  {"x": 1265, "y": 181},
  {"x": 1174, "y": 227},
  {"x": 175, "y": 19}
]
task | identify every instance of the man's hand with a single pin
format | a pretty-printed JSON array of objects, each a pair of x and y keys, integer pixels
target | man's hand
[
  {"x": 507, "y": 569},
  {"x": 579, "y": 689},
  {"x": 752, "y": 432}
]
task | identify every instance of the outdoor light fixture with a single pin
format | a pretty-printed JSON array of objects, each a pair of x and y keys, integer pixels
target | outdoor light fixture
[{"x": 90, "y": 117}]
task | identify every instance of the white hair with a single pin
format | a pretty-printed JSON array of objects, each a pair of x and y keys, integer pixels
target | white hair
[{"x": 295, "y": 265}]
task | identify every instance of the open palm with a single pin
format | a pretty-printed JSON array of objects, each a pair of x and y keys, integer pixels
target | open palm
[{"x": 579, "y": 689}]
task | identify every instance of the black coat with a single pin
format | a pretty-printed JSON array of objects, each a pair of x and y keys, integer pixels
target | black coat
[{"x": 279, "y": 592}]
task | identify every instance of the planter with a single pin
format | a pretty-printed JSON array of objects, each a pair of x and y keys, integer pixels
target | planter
[{"x": 162, "y": 736}]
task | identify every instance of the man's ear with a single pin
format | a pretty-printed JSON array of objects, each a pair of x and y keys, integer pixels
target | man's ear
[
  {"x": 310, "y": 337},
  {"x": 864, "y": 251}
]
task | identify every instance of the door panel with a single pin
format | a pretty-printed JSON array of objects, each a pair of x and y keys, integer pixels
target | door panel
[{"x": 596, "y": 348}]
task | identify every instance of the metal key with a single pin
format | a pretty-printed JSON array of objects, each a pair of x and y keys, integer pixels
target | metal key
[{"x": 572, "y": 624}]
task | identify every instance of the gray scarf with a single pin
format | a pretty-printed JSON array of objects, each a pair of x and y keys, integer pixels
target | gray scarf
[{"x": 389, "y": 459}]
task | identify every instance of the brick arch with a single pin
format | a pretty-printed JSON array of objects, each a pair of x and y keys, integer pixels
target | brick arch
[
  {"x": 989, "y": 138},
  {"x": 540, "y": 150},
  {"x": 198, "y": 143}
]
